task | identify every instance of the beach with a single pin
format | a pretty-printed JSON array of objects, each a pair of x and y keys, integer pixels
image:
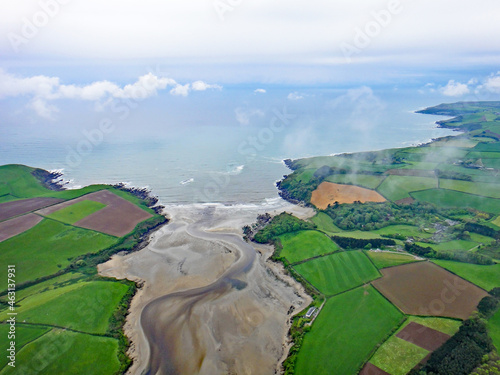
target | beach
[{"x": 208, "y": 301}]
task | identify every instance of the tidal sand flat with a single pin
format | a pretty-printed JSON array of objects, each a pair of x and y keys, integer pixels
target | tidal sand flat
[{"x": 210, "y": 302}]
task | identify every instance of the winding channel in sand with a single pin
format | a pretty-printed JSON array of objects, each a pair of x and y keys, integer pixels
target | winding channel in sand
[{"x": 212, "y": 303}]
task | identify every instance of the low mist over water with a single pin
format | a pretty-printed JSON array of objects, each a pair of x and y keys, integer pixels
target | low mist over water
[{"x": 230, "y": 151}]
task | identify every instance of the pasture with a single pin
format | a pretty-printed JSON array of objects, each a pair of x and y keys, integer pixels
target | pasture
[
  {"x": 24, "y": 335},
  {"x": 451, "y": 198},
  {"x": 397, "y": 356},
  {"x": 306, "y": 244},
  {"x": 83, "y": 307},
  {"x": 336, "y": 273},
  {"x": 383, "y": 259},
  {"x": 77, "y": 211},
  {"x": 486, "y": 277},
  {"x": 325, "y": 223},
  {"x": 118, "y": 218},
  {"x": 44, "y": 249},
  {"x": 404, "y": 230},
  {"x": 398, "y": 187},
  {"x": 65, "y": 352},
  {"x": 483, "y": 189},
  {"x": 13, "y": 227},
  {"x": 364, "y": 180},
  {"x": 494, "y": 329},
  {"x": 345, "y": 333}
]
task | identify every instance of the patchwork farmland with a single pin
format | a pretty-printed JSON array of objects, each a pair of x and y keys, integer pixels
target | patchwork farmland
[
  {"x": 55, "y": 239},
  {"x": 423, "y": 288}
]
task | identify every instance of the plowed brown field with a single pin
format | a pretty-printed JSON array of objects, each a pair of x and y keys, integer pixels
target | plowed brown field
[
  {"x": 329, "y": 193},
  {"x": 423, "y": 288}
]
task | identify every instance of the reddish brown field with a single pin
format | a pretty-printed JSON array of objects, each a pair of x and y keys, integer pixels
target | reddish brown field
[
  {"x": 18, "y": 225},
  {"x": 424, "y": 288},
  {"x": 329, "y": 193},
  {"x": 369, "y": 369},
  {"x": 423, "y": 336},
  {"x": 15, "y": 208},
  {"x": 118, "y": 218}
]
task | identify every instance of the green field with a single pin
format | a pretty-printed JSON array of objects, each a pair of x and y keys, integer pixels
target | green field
[
  {"x": 494, "y": 329},
  {"x": 345, "y": 332},
  {"x": 496, "y": 221},
  {"x": 451, "y": 198},
  {"x": 76, "y": 211},
  {"x": 455, "y": 245},
  {"x": 44, "y": 249},
  {"x": 397, "y": 356},
  {"x": 404, "y": 230},
  {"x": 364, "y": 180},
  {"x": 306, "y": 244},
  {"x": 83, "y": 307},
  {"x": 325, "y": 223},
  {"x": 338, "y": 272},
  {"x": 64, "y": 352},
  {"x": 48, "y": 285},
  {"x": 445, "y": 325},
  {"x": 399, "y": 187},
  {"x": 24, "y": 335},
  {"x": 486, "y": 277},
  {"x": 484, "y": 189},
  {"x": 421, "y": 165},
  {"x": 17, "y": 181},
  {"x": 384, "y": 259}
]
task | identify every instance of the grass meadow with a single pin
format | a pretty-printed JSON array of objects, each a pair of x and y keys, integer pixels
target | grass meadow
[
  {"x": 336, "y": 273},
  {"x": 302, "y": 245},
  {"x": 345, "y": 333}
]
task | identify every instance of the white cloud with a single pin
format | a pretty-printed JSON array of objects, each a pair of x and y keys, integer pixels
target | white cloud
[
  {"x": 43, "y": 109},
  {"x": 186, "y": 29},
  {"x": 42, "y": 89},
  {"x": 455, "y": 89},
  {"x": 492, "y": 83},
  {"x": 243, "y": 116},
  {"x": 260, "y": 91},
  {"x": 294, "y": 96},
  {"x": 180, "y": 90},
  {"x": 202, "y": 86}
]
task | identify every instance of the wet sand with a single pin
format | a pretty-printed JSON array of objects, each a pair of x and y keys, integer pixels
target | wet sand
[{"x": 210, "y": 303}]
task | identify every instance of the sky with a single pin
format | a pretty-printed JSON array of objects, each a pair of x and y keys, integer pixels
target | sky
[{"x": 57, "y": 52}]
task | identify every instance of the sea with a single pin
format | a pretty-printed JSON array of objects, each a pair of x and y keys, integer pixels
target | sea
[{"x": 225, "y": 147}]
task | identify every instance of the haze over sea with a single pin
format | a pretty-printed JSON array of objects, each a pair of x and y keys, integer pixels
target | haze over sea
[{"x": 229, "y": 150}]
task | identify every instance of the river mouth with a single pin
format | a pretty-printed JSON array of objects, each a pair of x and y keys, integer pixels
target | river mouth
[{"x": 211, "y": 303}]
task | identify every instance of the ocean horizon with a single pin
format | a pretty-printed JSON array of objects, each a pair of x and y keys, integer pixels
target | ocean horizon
[{"x": 235, "y": 161}]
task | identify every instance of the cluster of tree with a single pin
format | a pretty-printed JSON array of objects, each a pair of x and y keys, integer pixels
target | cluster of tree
[
  {"x": 280, "y": 224},
  {"x": 358, "y": 243},
  {"x": 452, "y": 175},
  {"x": 294, "y": 190},
  {"x": 482, "y": 229},
  {"x": 462, "y": 353},
  {"x": 490, "y": 365},
  {"x": 416, "y": 249},
  {"x": 370, "y": 216},
  {"x": 492, "y": 250},
  {"x": 465, "y": 257}
]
